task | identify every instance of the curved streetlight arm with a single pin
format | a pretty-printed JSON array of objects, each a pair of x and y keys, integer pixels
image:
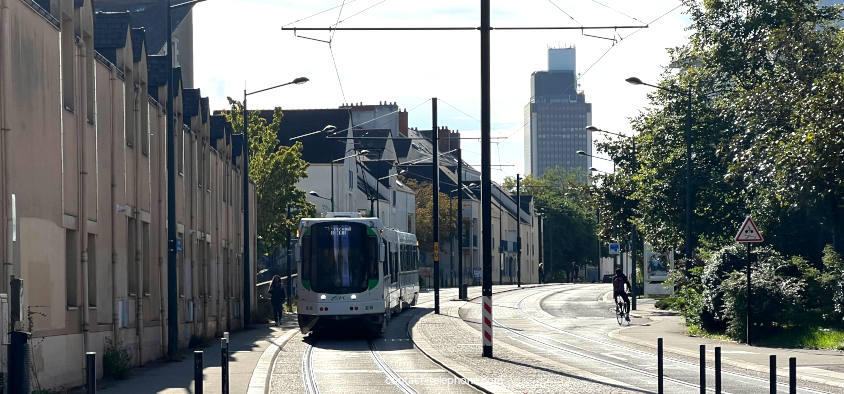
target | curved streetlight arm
[
  {"x": 296, "y": 81},
  {"x": 327, "y": 129},
  {"x": 363, "y": 152},
  {"x": 315, "y": 194},
  {"x": 582, "y": 153}
]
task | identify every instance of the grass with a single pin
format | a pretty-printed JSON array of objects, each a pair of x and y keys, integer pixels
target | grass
[
  {"x": 810, "y": 338},
  {"x": 698, "y": 331}
]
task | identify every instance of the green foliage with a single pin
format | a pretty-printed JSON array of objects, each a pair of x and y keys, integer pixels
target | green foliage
[
  {"x": 275, "y": 169},
  {"x": 425, "y": 215},
  {"x": 763, "y": 82},
  {"x": 116, "y": 360},
  {"x": 569, "y": 220}
]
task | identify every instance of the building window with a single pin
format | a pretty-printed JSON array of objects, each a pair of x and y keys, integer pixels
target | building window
[
  {"x": 180, "y": 267},
  {"x": 92, "y": 270},
  {"x": 131, "y": 258},
  {"x": 145, "y": 257},
  {"x": 145, "y": 124},
  {"x": 89, "y": 78},
  {"x": 68, "y": 48},
  {"x": 71, "y": 268},
  {"x": 180, "y": 151}
]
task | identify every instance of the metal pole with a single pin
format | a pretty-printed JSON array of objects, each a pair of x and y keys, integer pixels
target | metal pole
[
  {"x": 500, "y": 243},
  {"x": 518, "y": 230},
  {"x": 377, "y": 197},
  {"x": 634, "y": 235},
  {"x": 289, "y": 295},
  {"x": 197, "y": 372},
  {"x": 460, "y": 288},
  {"x": 792, "y": 375},
  {"x": 332, "y": 183},
  {"x": 597, "y": 243},
  {"x": 702, "y": 369},
  {"x": 659, "y": 365},
  {"x": 539, "y": 220},
  {"x": 486, "y": 182},
  {"x": 435, "y": 177},
  {"x": 688, "y": 138},
  {"x": 91, "y": 372},
  {"x": 224, "y": 364},
  {"x": 172, "y": 271},
  {"x": 747, "y": 307},
  {"x": 772, "y": 361},
  {"x": 717, "y": 370},
  {"x": 247, "y": 307}
]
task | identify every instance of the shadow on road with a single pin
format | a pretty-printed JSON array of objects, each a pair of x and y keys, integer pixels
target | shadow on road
[{"x": 570, "y": 375}]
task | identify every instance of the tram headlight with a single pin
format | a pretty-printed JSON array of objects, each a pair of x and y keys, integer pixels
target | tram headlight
[
  {"x": 354, "y": 296},
  {"x": 322, "y": 297}
]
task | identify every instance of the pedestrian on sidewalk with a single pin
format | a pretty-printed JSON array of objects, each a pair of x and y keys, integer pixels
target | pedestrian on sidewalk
[{"x": 277, "y": 298}]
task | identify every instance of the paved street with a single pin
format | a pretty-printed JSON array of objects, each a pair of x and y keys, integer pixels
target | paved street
[{"x": 548, "y": 338}]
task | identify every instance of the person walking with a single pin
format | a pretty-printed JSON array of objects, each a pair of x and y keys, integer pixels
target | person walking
[{"x": 277, "y": 297}]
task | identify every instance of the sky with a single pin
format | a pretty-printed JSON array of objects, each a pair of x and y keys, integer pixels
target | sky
[{"x": 239, "y": 44}]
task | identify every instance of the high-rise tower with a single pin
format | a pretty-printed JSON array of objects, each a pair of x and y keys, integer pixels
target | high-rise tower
[{"x": 556, "y": 118}]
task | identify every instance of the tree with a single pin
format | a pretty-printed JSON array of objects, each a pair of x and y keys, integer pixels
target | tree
[
  {"x": 569, "y": 222},
  {"x": 275, "y": 169},
  {"x": 767, "y": 82},
  {"x": 425, "y": 214}
]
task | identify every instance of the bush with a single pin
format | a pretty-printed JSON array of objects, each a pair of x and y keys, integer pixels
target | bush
[
  {"x": 832, "y": 283},
  {"x": 776, "y": 302},
  {"x": 116, "y": 360}
]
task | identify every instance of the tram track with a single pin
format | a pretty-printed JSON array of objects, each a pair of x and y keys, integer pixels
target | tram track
[
  {"x": 761, "y": 381},
  {"x": 308, "y": 377}
]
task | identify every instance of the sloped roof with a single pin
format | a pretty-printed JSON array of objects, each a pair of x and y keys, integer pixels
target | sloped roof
[
  {"x": 402, "y": 146},
  {"x": 138, "y": 41},
  {"x": 219, "y": 127},
  {"x": 110, "y": 30},
  {"x": 376, "y": 144},
  {"x": 379, "y": 168},
  {"x": 316, "y": 148},
  {"x": 156, "y": 74},
  {"x": 190, "y": 104},
  {"x": 150, "y": 14},
  {"x": 205, "y": 107}
]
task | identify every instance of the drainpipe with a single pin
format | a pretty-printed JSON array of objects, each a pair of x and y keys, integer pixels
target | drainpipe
[
  {"x": 113, "y": 212},
  {"x": 5, "y": 59},
  {"x": 139, "y": 293},
  {"x": 159, "y": 221},
  {"x": 82, "y": 219}
]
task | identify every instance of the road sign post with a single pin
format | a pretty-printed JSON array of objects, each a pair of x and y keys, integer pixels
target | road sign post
[{"x": 748, "y": 234}]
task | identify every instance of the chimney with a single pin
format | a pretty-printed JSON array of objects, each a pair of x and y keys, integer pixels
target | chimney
[
  {"x": 443, "y": 139},
  {"x": 403, "y": 123}
]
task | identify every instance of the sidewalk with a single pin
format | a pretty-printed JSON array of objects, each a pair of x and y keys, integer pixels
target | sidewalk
[
  {"x": 251, "y": 353},
  {"x": 817, "y": 366}
]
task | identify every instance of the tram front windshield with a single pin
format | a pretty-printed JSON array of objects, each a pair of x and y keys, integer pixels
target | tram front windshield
[{"x": 339, "y": 258}]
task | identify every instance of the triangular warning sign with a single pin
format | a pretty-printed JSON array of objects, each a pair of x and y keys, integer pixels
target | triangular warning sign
[{"x": 748, "y": 232}]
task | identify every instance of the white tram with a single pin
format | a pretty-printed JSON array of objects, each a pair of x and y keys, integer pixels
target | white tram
[{"x": 353, "y": 268}]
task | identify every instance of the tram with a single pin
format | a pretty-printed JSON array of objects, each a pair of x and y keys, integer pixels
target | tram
[{"x": 352, "y": 267}]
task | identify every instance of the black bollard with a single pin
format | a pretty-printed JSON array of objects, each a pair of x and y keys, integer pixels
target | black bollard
[
  {"x": 224, "y": 363},
  {"x": 702, "y": 369},
  {"x": 91, "y": 372},
  {"x": 717, "y": 369},
  {"x": 197, "y": 372},
  {"x": 773, "y": 363},
  {"x": 792, "y": 375},
  {"x": 659, "y": 365}
]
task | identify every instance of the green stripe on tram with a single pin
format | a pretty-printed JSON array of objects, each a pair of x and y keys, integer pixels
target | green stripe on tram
[
  {"x": 306, "y": 284},
  {"x": 372, "y": 284},
  {"x": 370, "y": 232}
]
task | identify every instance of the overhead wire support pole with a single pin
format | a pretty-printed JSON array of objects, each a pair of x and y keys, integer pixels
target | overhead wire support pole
[
  {"x": 435, "y": 197},
  {"x": 461, "y": 293},
  {"x": 172, "y": 272},
  {"x": 486, "y": 185},
  {"x": 518, "y": 230}
]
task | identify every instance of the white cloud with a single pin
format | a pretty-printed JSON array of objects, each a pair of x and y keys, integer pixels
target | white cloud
[{"x": 237, "y": 42}]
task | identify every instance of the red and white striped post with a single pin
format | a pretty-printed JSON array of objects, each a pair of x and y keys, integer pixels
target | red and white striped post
[{"x": 487, "y": 315}]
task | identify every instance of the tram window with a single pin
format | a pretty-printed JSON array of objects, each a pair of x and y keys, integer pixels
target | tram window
[
  {"x": 386, "y": 258},
  {"x": 395, "y": 277}
]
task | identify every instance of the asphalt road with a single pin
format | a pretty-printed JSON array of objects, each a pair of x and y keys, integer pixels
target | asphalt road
[
  {"x": 570, "y": 325},
  {"x": 347, "y": 360}
]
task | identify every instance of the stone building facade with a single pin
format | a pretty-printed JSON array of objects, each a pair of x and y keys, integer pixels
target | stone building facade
[{"x": 84, "y": 191}]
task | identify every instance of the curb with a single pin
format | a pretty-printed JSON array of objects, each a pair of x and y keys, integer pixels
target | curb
[
  {"x": 259, "y": 383},
  {"x": 460, "y": 372},
  {"x": 617, "y": 334}
]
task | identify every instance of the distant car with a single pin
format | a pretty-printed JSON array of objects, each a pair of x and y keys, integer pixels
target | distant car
[{"x": 607, "y": 278}]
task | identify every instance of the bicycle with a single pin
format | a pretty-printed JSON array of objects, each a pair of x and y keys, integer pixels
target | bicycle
[{"x": 621, "y": 313}]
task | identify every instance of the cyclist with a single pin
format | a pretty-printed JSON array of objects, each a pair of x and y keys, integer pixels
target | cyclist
[{"x": 618, "y": 282}]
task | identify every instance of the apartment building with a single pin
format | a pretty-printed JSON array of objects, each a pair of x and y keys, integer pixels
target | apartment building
[{"x": 84, "y": 192}]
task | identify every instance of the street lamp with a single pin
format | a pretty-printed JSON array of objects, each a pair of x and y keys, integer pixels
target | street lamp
[
  {"x": 687, "y": 137},
  {"x": 378, "y": 195},
  {"x": 633, "y": 234},
  {"x": 247, "y": 290},
  {"x": 315, "y": 194},
  {"x": 362, "y": 152},
  {"x": 328, "y": 129},
  {"x": 582, "y": 153}
]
